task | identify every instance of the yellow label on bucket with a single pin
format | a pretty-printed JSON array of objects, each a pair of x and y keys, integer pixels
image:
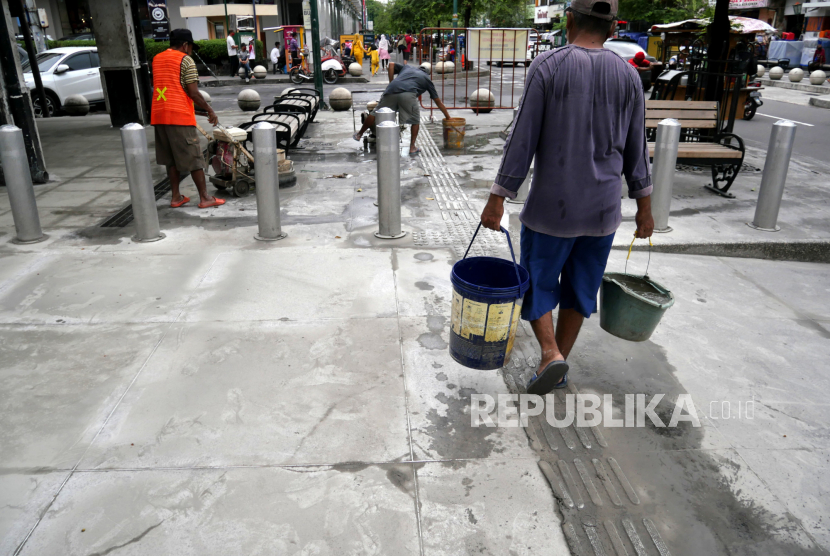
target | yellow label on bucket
[
  {"x": 473, "y": 319},
  {"x": 513, "y": 326},
  {"x": 498, "y": 322},
  {"x": 456, "y": 312}
]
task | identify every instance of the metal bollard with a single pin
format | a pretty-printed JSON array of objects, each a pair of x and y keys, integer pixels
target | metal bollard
[
  {"x": 662, "y": 172},
  {"x": 142, "y": 195},
  {"x": 267, "y": 183},
  {"x": 774, "y": 177},
  {"x": 389, "y": 181},
  {"x": 524, "y": 189},
  {"x": 19, "y": 185},
  {"x": 384, "y": 115}
]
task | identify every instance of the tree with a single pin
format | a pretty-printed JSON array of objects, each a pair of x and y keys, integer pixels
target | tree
[{"x": 378, "y": 13}]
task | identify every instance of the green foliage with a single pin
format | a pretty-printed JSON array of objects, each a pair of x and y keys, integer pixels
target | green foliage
[
  {"x": 379, "y": 14},
  {"x": 212, "y": 51},
  {"x": 663, "y": 11},
  {"x": 65, "y": 44}
]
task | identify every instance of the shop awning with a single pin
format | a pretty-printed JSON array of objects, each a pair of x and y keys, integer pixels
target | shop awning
[
  {"x": 218, "y": 10},
  {"x": 738, "y": 24}
]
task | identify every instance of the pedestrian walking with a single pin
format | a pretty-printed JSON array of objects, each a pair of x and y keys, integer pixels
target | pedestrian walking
[
  {"x": 383, "y": 51},
  {"x": 358, "y": 51},
  {"x": 401, "y": 46},
  {"x": 407, "y": 52},
  {"x": 374, "y": 54},
  {"x": 275, "y": 58},
  {"x": 233, "y": 57},
  {"x": 582, "y": 143},
  {"x": 294, "y": 50},
  {"x": 401, "y": 95},
  {"x": 173, "y": 117}
]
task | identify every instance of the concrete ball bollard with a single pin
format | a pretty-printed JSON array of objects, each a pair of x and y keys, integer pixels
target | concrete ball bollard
[
  {"x": 286, "y": 91},
  {"x": 248, "y": 100},
  {"x": 241, "y": 72},
  {"x": 355, "y": 69},
  {"x": 76, "y": 105},
  {"x": 340, "y": 99},
  {"x": 482, "y": 101},
  {"x": 761, "y": 71},
  {"x": 776, "y": 73},
  {"x": 445, "y": 67},
  {"x": 427, "y": 66},
  {"x": 206, "y": 96},
  {"x": 371, "y": 105},
  {"x": 260, "y": 72},
  {"x": 796, "y": 75},
  {"x": 817, "y": 77}
]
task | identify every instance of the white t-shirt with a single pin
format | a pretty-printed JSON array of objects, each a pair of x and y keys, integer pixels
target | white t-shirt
[
  {"x": 275, "y": 55},
  {"x": 231, "y": 47}
]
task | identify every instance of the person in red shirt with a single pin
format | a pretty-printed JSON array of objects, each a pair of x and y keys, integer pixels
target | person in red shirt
[
  {"x": 639, "y": 61},
  {"x": 407, "y": 53},
  {"x": 818, "y": 59}
]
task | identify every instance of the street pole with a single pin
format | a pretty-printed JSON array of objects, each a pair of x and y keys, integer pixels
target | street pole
[
  {"x": 662, "y": 172},
  {"x": 267, "y": 183},
  {"x": 774, "y": 177},
  {"x": 227, "y": 21},
  {"x": 19, "y": 186},
  {"x": 315, "y": 52},
  {"x": 142, "y": 196},
  {"x": 454, "y": 14},
  {"x": 389, "y": 181}
]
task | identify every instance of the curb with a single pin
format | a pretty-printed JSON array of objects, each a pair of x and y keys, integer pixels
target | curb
[
  {"x": 797, "y": 86},
  {"x": 820, "y": 102},
  {"x": 808, "y": 251},
  {"x": 270, "y": 81}
]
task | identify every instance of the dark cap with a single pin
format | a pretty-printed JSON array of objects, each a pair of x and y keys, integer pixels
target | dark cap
[
  {"x": 603, "y": 9},
  {"x": 181, "y": 35}
]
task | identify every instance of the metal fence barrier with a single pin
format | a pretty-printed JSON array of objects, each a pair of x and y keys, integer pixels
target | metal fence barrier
[{"x": 491, "y": 59}]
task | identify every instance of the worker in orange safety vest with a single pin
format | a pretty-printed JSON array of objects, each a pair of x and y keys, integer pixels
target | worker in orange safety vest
[{"x": 173, "y": 116}]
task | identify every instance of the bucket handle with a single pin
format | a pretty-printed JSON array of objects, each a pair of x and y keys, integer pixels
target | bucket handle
[
  {"x": 509, "y": 244},
  {"x": 629, "y": 255}
]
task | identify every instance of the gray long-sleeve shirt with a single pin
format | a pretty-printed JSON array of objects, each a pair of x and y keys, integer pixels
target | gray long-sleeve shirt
[{"x": 582, "y": 116}]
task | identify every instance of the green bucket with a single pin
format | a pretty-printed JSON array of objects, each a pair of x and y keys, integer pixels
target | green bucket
[{"x": 632, "y": 306}]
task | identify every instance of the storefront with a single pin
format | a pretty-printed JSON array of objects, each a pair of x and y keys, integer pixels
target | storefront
[{"x": 756, "y": 9}]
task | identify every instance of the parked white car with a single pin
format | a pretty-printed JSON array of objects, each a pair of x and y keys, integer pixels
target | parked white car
[{"x": 64, "y": 72}]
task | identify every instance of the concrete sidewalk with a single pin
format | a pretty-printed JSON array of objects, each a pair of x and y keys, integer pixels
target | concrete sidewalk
[{"x": 210, "y": 394}]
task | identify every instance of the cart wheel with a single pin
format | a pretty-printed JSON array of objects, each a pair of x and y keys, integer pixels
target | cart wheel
[
  {"x": 241, "y": 188},
  {"x": 330, "y": 76}
]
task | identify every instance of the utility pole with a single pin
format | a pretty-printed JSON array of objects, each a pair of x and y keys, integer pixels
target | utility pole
[
  {"x": 454, "y": 14},
  {"x": 227, "y": 22},
  {"x": 315, "y": 51}
]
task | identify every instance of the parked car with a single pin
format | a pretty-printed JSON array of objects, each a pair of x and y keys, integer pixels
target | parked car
[
  {"x": 627, "y": 49},
  {"x": 64, "y": 72},
  {"x": 78, "y": 37}
]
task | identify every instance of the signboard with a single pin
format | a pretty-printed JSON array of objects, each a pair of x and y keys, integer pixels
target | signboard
[
  {"x": 747, "y": 4},
  {"x": 370, "y": 25},
  {"x": 158, "y": 19},
  {"x": 307, "y": 15},
  {"x": 541, "y": 15},
  {"x": 498, "y": 44}
]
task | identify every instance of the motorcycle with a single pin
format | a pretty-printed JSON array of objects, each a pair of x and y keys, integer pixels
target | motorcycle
[{"x": 753, "y": 100}]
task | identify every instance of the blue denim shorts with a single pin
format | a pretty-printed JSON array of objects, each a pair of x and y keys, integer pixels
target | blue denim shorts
[{"x": 564, "y": 271}]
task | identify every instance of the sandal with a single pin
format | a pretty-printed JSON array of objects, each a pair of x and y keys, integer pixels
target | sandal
[
  {"x": 550, "y": 378},
  {"x": 214, "y": 203},
  {"x": 416, "y": 151},
  {"x": 177, "y": 204},
  {"x": 562, "y": 383}
]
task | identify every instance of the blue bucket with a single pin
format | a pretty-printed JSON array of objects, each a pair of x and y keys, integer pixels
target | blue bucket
[{"x": 486, "y": 302}]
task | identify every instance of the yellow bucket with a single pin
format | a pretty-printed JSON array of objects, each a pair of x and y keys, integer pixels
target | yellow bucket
[{"x": 454, "y": 129}]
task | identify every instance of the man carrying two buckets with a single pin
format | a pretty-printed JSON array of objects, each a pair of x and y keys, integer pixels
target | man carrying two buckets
[{"x": 582, "y": 116}]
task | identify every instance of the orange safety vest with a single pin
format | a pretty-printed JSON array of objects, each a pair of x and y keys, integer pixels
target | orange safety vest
[{"x": 171, "y": 105}]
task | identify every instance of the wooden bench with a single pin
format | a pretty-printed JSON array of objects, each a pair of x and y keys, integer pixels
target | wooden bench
[{"x": 701, "y": 142}]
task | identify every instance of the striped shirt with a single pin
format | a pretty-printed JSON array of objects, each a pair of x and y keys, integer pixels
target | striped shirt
[{"x": 188, "y": 73}]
